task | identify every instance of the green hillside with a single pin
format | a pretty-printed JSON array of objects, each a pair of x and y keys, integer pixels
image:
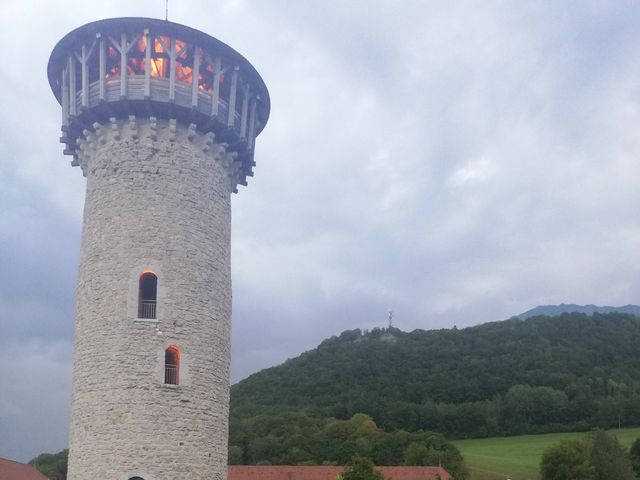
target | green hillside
[
  {"x": 567, "y": 373},
  {"x": 518, "y": 458}
]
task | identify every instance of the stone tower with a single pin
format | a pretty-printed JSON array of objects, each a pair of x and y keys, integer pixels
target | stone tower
[{"x": 162, "y": 121}]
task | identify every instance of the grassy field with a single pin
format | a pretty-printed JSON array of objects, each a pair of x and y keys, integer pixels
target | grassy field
[{"x": 518, "y": 458}]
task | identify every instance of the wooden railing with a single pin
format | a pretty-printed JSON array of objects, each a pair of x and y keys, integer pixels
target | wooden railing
[{"x": 159, "y": 93}]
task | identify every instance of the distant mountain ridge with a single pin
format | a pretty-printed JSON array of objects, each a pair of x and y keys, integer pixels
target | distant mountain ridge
[{"x": 556, "y": 310}]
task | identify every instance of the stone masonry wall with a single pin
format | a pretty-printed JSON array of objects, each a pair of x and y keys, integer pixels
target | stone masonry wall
[{"x": 158, "y": 198}]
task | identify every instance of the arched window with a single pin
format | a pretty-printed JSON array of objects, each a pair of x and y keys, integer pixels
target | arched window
[
  {"x": 147, "y": 295},
  {"x": 172, "y": 365},
  {"x": 136, "y": 478}
]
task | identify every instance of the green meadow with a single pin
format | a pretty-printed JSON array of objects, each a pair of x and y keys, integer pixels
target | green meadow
[{"x": 518, "y": 458}]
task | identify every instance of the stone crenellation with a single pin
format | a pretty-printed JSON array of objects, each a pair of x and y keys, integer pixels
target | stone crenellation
[
  {"x": 158, "y": 198},
  {"x": 151, "y": 130}
]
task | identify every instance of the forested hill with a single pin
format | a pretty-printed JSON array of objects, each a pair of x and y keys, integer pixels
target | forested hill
[{"x": 543, "y": 374}]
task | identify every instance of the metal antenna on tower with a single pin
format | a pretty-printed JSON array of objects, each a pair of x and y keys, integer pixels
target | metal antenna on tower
[
  {"x": 166, "y": 10},
  {"x": 390, "y": 318}
]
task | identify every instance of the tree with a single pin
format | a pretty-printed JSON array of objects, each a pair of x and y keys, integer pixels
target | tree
[
  {"x": 361, "y": 468},
  {"x": 53, "y": 466},
  {"x": 608, "y": 458},
  {"x": 526, "y": 406},
  {"x": 567, "y": 460},
  {"x": 235, "y": 455},
  {"x": 264, "y": 449},
  {"x": 430, "y": 449},
  {"x": 362, "y": 420},
  {"x": 598, "y": 457},
  {"x": 634, "y": 454},
  {"x": 418, "y": 454}
]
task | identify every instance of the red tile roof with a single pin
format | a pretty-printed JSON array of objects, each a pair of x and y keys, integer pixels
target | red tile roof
[
  {"x": 294, "y": 472},
  {"x": 11, "y": 470}
]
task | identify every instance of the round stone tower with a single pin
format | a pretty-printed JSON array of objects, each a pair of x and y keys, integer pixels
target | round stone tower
[{"x": 162, "y": 120}]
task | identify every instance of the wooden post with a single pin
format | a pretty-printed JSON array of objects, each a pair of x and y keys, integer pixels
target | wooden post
[
  {"x": 252, "y": 124},
  {"x": 232, "y": 96},
  {"x": 245, "y": 111},
  {"x": 147, "y": 65},
  {"x": 123, "y": 65},
  {"x": 103, "y": 70},
  {"x": 85, "y": 77},
  {"x": 195, "y": 77},
  {"x": 215, "y": 95},
  {"x": 65, "y": 96},
  {"x": 172, "y": 70},
  {"x": 72, "y": 85}
]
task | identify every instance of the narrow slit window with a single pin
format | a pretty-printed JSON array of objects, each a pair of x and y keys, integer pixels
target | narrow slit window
[
  {"x": 147, "y": 295},
  {"x": 172, "y": 365}
]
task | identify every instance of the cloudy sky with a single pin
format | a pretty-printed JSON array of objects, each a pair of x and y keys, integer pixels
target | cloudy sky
[{"x": 457, "y": 162}]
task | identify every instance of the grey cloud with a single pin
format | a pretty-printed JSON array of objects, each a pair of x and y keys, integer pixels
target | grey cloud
[
  {"x": 455, "y": 162},
  {"x": 34, "y": 413},
  {"x": 39, "y": 249}
]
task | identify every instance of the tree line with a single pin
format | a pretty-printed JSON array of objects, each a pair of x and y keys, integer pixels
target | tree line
[
  {"x": 295, "y": 439},
  {"x": 299, "y": 439}
]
